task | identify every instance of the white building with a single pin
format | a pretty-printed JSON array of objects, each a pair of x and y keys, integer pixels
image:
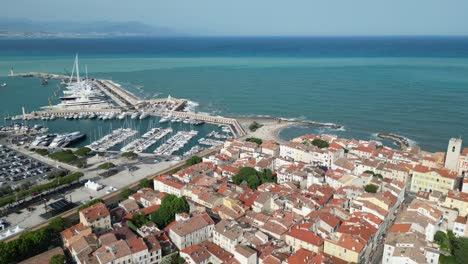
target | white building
[
  {"x": 410, "y": 248},
  {"x": 186, "y": 231},
  {"x": 227, "y": 235}
]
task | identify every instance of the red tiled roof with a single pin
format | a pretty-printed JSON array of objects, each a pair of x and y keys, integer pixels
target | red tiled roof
[
  {"x": 95, "y": 211},
  {"x": 301, "y": 232},
  {"x": 400, "y": 228}
]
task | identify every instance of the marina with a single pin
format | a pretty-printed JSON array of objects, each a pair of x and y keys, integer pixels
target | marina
[
  {"x": 117, "y": 136},
  {"x": 147, "y": 140},
  {"x": 175, "y": 143}
]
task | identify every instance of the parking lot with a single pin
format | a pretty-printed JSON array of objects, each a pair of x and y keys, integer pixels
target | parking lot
[{"x": 17, "y": 169}]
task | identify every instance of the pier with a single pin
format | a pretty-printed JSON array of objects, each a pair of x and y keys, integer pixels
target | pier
[
  {"x": 120, "y": 96},
  {"x": 234, "y": 125},
  {"x": 125, "y": 100}
]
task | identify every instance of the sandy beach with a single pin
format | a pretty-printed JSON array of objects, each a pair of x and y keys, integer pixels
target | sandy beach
[{"x": 270, "y": 129}]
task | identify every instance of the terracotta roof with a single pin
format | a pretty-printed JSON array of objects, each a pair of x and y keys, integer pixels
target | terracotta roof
[
  {"x": 95, "y": 212},
  {"x": 442, "y": 172},
  {"x": 170, "y": 181},
  {"x": 302, "y": 232},
  {"x": 461, "y": 196},
  {"x": 400, "y": 228},
  {"x": 136, "y": 245},
  {"x": 301, "y": 256},
  {"x": 195, "y": 223},
  {"x": 73, "y": 230}
]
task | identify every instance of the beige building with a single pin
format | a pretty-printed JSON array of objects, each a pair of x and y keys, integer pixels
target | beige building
[
  {"x": 96, "y": 216},
  {"x": 227, "y": 235},
  {"x": 409, "y": 248},
  {"x": 186, "y": 231}
]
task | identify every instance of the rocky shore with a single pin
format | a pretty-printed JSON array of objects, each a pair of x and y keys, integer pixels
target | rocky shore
[{"x": 401, "y": 141}]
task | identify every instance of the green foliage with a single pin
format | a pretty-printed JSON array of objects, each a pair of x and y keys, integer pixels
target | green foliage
[
  {"x": 41, "y": 188},
  {"x": 458, "y": 247},
  {"x": 254, "y": 126},
  {"x": 32, "y": 243},
  {"x": 146, "y": 183},
  {"x": 56, "y": 174},
  {"x": 132, "y": 226},
  {"x": 447, "y": 259},
  {"x": 371, "y": 188},
  {"x": 57, "y": 224},
  {"x": 139, "y": 220},
  {"x": 170, "y": 206},
  {"x": 255, "y": 140},
  {"x": 125, "y": 193},
  {"x": 57, "y": 259},
  {"x": 320, "y": 143},
  {"x": 5, "y": 191},
  {"x": 83, "y": 152},
  {"x": 65, "y": 156},
  {"x": 129, "y": 155},
  {"x": 42, "y": 152},
  {"x": 193, "y": 160},
  {"x": 88, "y": 204},
  {"x": 369, "y": 172},
  {"x": 253, "y": 177},
  {"x": 106, "y": 166}
]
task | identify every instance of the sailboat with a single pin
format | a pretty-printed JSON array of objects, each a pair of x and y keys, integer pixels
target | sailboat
[{"x": 81, "y": 93}]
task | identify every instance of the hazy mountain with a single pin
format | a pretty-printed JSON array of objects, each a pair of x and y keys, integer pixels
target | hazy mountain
[{"x": 95, "y": 28}]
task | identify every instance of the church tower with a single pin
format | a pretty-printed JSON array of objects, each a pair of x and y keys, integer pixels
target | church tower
[{"x": 453, "y": 154}]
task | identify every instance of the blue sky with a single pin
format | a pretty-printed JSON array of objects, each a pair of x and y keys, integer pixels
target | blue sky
[{"x": 262, "y": 17}]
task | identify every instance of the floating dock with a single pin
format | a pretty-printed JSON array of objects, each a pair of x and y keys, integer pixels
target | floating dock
[{"x": 115, "y": 137}]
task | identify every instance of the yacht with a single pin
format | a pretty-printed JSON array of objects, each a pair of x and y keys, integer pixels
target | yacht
[
  {"x": 123, "y": 115},
  {"x": 135, "y": 115},
  {"x": 3, "y": 85},
  {"x": 64, "y": 140},
  {"x": 164, "y": 119},
  {"x": 143, "y": 115},
  {"x": 82, "y": 93}
]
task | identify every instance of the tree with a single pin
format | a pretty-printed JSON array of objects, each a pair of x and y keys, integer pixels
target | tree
[
  {"x": 320, "y": 143},
  {"x": 146, "y": 183},
  {"x": 139, "y": 220},
  {"x": 370, "y": 188},
  {"x": 193, "y": 160},
  {"x": 125, "y": 193},
  {"x": 82, "y": 152},
  {"x": 57, "y": 224},
  {"x": 129, "y": 155},
  {"x": 170, "y": 206},
  {"x": 255, "y": 140},
  {"x": 106, "y": 166},
  {"x": 57, "y": 259},
  {"x": 253, "y": 177},
  {"x": 254, "y": 126}
]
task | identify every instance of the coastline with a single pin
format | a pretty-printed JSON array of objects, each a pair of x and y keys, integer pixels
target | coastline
[{"x": 272, "y": 126}]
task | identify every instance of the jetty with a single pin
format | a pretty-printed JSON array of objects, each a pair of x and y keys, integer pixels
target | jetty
[
  {"x": 401, "y": 141},
  {"x": 123, "y": 101}
]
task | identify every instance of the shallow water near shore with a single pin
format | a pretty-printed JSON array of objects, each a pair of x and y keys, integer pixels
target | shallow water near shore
[{"x": 389, "y": 85}]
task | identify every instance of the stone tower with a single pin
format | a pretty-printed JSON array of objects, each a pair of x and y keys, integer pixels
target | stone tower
[{"x": 453, "y": 154}]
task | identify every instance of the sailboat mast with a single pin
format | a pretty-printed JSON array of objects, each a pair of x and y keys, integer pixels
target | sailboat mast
[{"x": 77, "y": 70}]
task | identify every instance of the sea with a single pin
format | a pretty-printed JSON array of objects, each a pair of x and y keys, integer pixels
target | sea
[{"x": 416, "y": 87}]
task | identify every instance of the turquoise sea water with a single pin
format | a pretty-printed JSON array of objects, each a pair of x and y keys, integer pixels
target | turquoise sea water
[{"x": 417, "y": 88}]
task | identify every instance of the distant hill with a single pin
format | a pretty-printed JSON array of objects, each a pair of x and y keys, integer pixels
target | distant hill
[{"x": 19, "y": 27}]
